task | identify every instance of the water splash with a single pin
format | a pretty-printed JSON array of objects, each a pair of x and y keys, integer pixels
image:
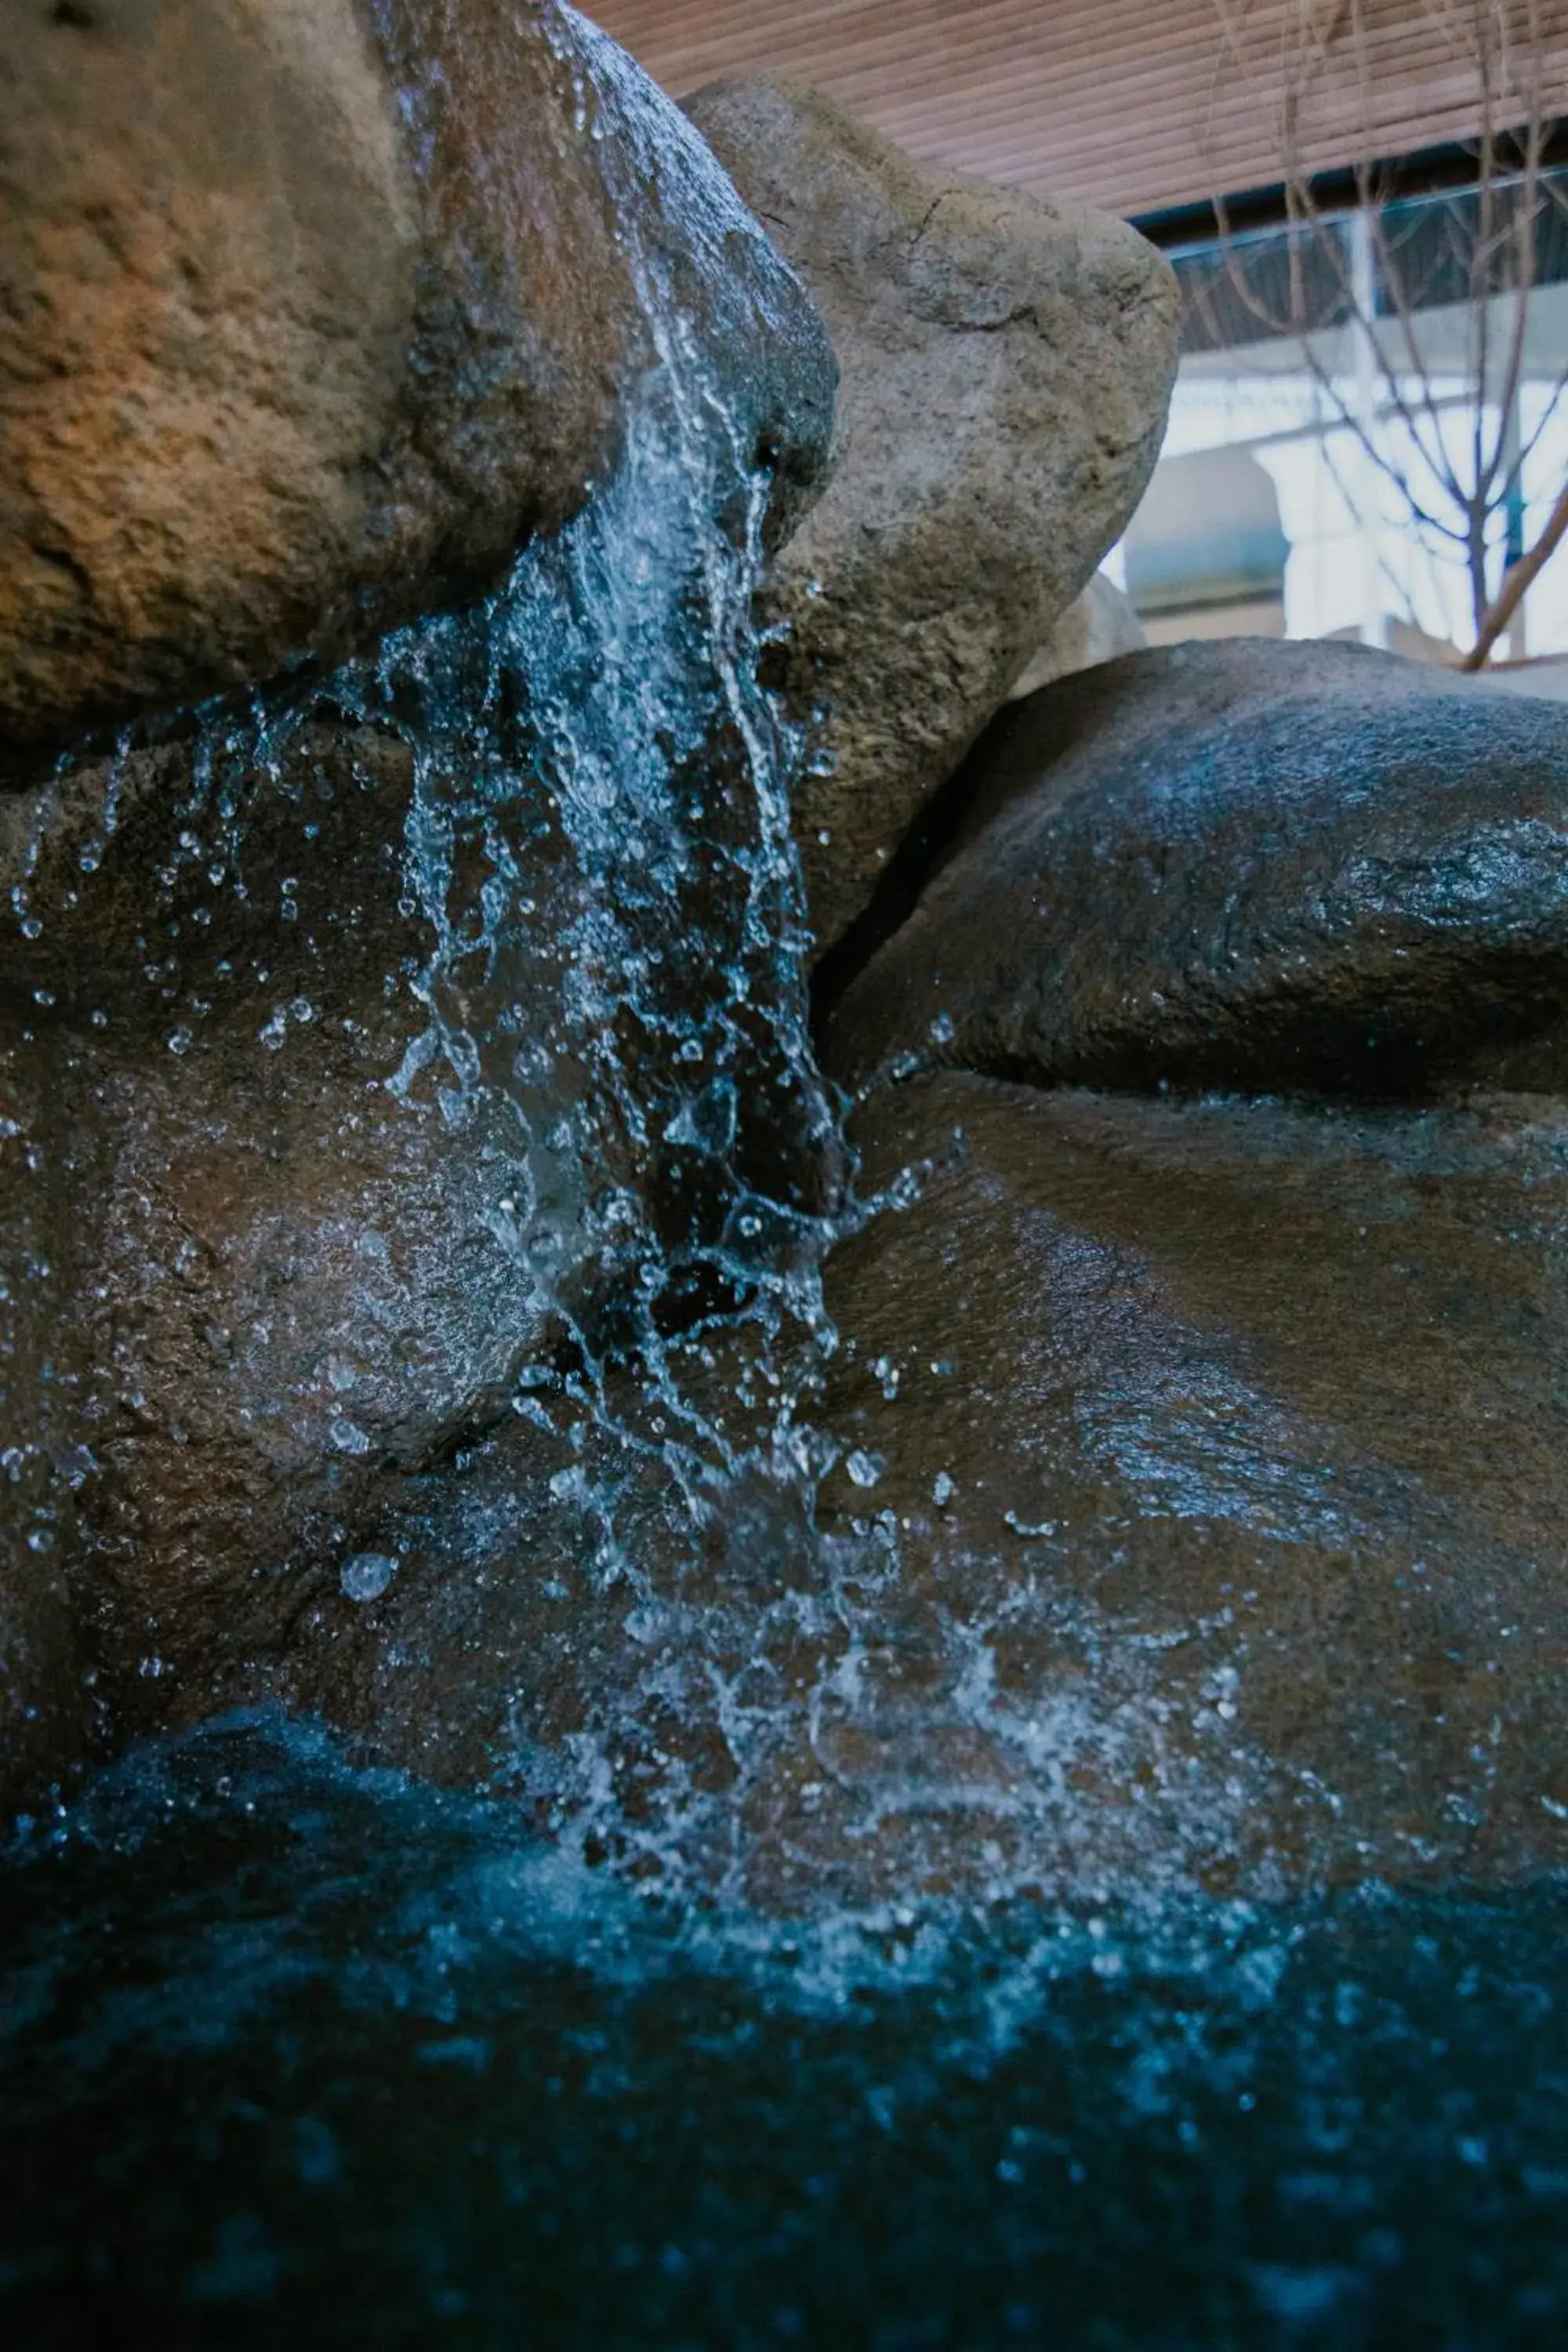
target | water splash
[
  {"x": 571, "y": 1002},
  {"x": 467, "y": 1185}
]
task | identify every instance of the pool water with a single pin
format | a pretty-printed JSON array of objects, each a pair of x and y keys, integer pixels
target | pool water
[{"x": 298, "y": 2053}]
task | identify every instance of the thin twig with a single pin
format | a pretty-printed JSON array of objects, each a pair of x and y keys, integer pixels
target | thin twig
[
  {"x": 1517, "y": 586},
  {"x": 1334, "y": 46}
]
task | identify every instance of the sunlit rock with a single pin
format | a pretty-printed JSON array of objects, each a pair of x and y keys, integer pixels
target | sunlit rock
[
  {"x": 315, "y": 313},
  {"x": 1006, "y": 365}
]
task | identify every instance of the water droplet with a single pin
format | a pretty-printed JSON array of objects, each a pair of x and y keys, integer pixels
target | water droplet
[
  {"x": 942, "y": 1490},
  {"x": 367, "y": 1575},
  {"x": 349, "y": 1438},
  {"x": 864, "y": 1469},
  {"x": 180, "y": 1042}
]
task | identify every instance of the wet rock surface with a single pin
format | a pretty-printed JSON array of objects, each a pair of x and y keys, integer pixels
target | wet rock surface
[
  {"x": 1278, "y": 867},
  {"x": 298, "y": 344},
  {"x": 1184, "y": 1529},
  {"x": 1005, "y": 367},
  {"x": 1168, "y": 1514},
  {"x": 1231, "y": 1431},
  {"x": 268, "y": 1261},
  {"x": 331, "y": 1149},
  {"x": 435, "y": 1302}
]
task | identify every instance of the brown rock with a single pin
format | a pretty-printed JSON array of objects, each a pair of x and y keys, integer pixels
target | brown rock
[
  {"x": 312, "y": 1153},
  {"x": 308, "y": 330},
  {"x": 1224, "y": 1441},
  {"x": 252, "y": 1286},
  {"x": 1193, "y": 1527},
  {"x": 1006, "y": 369},
  {"x": 1284, "y": 866}
]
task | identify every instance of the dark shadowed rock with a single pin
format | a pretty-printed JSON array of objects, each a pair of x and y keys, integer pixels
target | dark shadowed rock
[
  {"x": 1006, "y": 367},
  {"x": 314, "y": 313},
  {"x": 255, "y": 1284},
  {"x": 1281, "y": 867},
  {"x": 44, "y": 1706}
]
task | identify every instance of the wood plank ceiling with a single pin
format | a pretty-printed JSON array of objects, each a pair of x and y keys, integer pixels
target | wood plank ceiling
[{"x": 1142, "y": 105}]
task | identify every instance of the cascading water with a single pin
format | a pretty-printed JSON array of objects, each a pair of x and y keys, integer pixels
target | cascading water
[
  {"x": 456, "y": 1186},
  {"x": 598, "y": 843},
  {"x": 523, "y": 883}
]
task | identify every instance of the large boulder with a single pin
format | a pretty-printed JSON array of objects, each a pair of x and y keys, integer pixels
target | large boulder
[
  {"x": 1005, "y": 367},
  {"x": 1251, "y": 864},
  {"x": 315, "y": 312},
  {"x": 1223, "y": 1443}
]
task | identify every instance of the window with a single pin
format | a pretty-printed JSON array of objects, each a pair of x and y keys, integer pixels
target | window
[{"x": 1370, "y": 425}]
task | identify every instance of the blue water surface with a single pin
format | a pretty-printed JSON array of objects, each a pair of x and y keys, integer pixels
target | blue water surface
[{"x": 298, "y": 2055}]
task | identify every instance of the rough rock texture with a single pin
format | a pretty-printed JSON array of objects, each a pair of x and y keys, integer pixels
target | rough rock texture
[
  {"x": 1232, "y": 1431},
  {"x": 1240, "y": 864},
  {"x": 307, "y": 326},
  {"x": 1005, "y": 367},
  {"x": 1196, "y": 1458},
  {"x": 1099, "y": 627}
]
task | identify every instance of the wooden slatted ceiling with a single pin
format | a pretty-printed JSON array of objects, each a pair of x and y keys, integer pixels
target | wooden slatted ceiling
[{"x": 1139, "y": 105}]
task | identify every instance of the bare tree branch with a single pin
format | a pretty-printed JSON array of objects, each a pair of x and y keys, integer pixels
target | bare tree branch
[
  {"x": 1459, "y": 490},
  {"x": 1516, "y": 586}
]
